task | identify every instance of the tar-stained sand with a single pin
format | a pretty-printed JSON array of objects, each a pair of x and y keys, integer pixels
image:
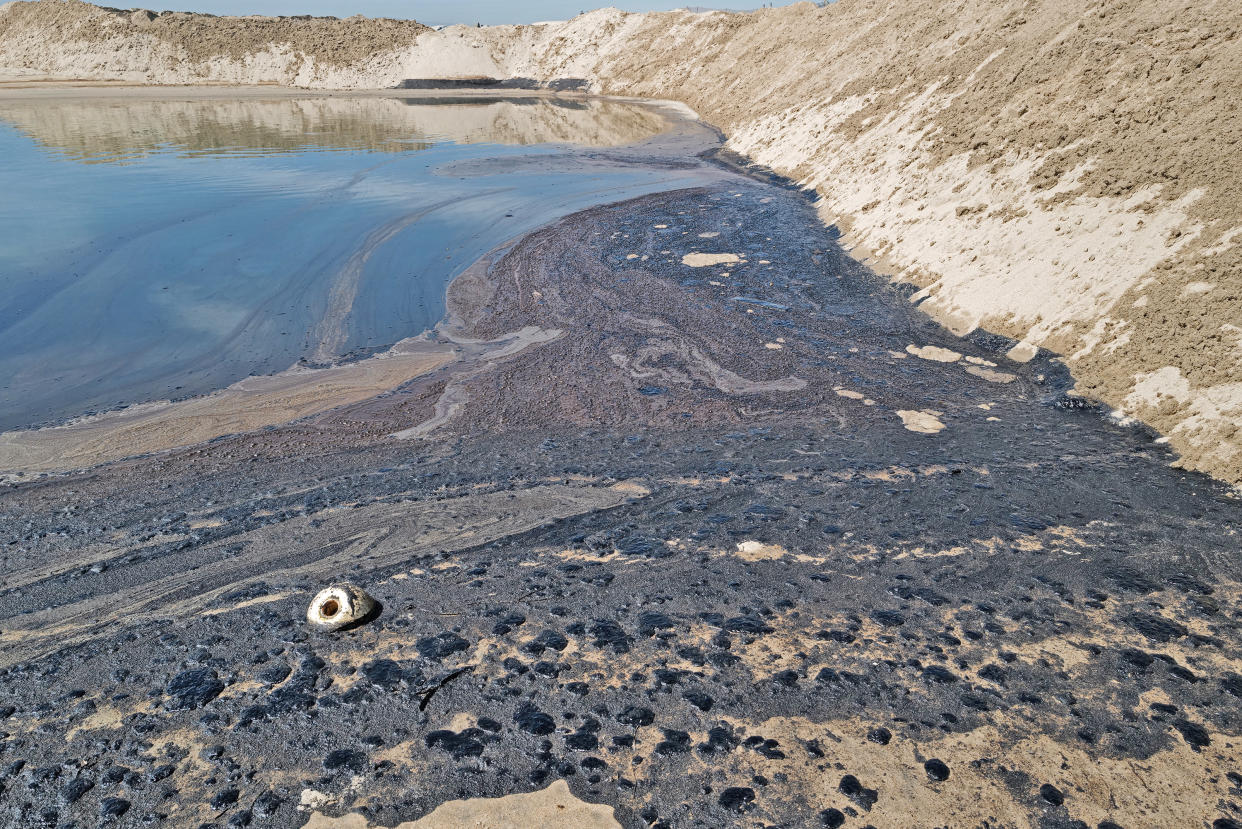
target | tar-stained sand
[
  {"x": 1060, "y": 171},
  {"x": 695, "y": 558}
]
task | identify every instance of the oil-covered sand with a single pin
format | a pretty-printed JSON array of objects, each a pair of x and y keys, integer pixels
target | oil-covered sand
[
  {"x": 1063, "y": 172},
  {"x": 751, "y": 543}
]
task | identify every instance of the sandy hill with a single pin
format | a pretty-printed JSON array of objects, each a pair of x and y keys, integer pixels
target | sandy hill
[
  {"x": 1059, "y": 171},
  {"x": 64, "y": 38}
]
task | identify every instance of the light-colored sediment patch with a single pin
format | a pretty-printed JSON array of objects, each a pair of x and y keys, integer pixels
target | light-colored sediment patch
[
  {"x": 314, "y": 799},
  {"x": 249, "y": 404},
  {"x": 631, "y": 488},
  {"x": 104, "y": 719},
  {"x": 923, "y": 422},
  {"x": 934, "y": 353},
  {"x": 554, "y": 808},
  {"x": 990, "y": 375},
  {"x": 758, "y": 551},
  {"x": 260, "y": 600},
  {"x": 650, "y": 363},
  {"x": 703, "y": 260}
]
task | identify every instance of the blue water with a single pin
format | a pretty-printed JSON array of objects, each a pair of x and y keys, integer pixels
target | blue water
[{"x": 167, "y": 264}]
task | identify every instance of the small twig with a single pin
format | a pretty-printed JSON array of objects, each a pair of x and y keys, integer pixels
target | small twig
[{"x": 431, "y": 692}]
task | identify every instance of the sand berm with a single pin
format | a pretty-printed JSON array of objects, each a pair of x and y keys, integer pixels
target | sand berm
[{"x": 1059, "y": 171}]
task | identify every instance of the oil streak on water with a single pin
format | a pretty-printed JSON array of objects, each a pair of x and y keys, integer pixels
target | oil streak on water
[{"x": 161, "y": 249}]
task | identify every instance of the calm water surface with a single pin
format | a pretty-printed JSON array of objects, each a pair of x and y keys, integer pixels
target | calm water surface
[{"x": 154, "y": 249}]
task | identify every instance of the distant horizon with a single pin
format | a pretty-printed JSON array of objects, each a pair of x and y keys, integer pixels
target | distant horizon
[{"x": 443, "y": 12}]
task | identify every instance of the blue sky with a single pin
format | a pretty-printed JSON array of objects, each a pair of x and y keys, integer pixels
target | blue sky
[{"x": 444, "y": 11}]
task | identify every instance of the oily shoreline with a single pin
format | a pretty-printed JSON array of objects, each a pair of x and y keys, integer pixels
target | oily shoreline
[
  {"x": 453, "y": 351},
  {"x": 641, "y": 563},
  {"x": 265, "y": 401},
  {"x": 745, "y": 539}
]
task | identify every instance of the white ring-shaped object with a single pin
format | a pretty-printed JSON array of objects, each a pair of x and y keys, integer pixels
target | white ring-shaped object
[{"x": 339, "y": 606}]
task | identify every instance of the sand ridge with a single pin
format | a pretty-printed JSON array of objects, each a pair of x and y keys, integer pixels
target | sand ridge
[{"x": 143, "y": 45}]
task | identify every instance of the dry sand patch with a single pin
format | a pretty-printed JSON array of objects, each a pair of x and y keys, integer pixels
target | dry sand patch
[
  {"x": 923, "y": 422},
  {"x": 703, "y": 260}
]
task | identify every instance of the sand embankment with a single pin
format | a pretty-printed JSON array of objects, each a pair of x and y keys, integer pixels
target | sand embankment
[
  {"x": 1060, "y": 171},
  {"x": 80, "y": 41}
]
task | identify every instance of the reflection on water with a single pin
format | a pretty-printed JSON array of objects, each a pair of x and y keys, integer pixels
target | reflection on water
[
  {"x": 118, "y": 130},
  {"x": 239, "y": 237}
]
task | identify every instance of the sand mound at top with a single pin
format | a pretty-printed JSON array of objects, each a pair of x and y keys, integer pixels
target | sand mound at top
[
  {"x": 72, "y": 39},
  {"x": 1059, "y": 171},
  {"x": 329, "y": 40}
]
